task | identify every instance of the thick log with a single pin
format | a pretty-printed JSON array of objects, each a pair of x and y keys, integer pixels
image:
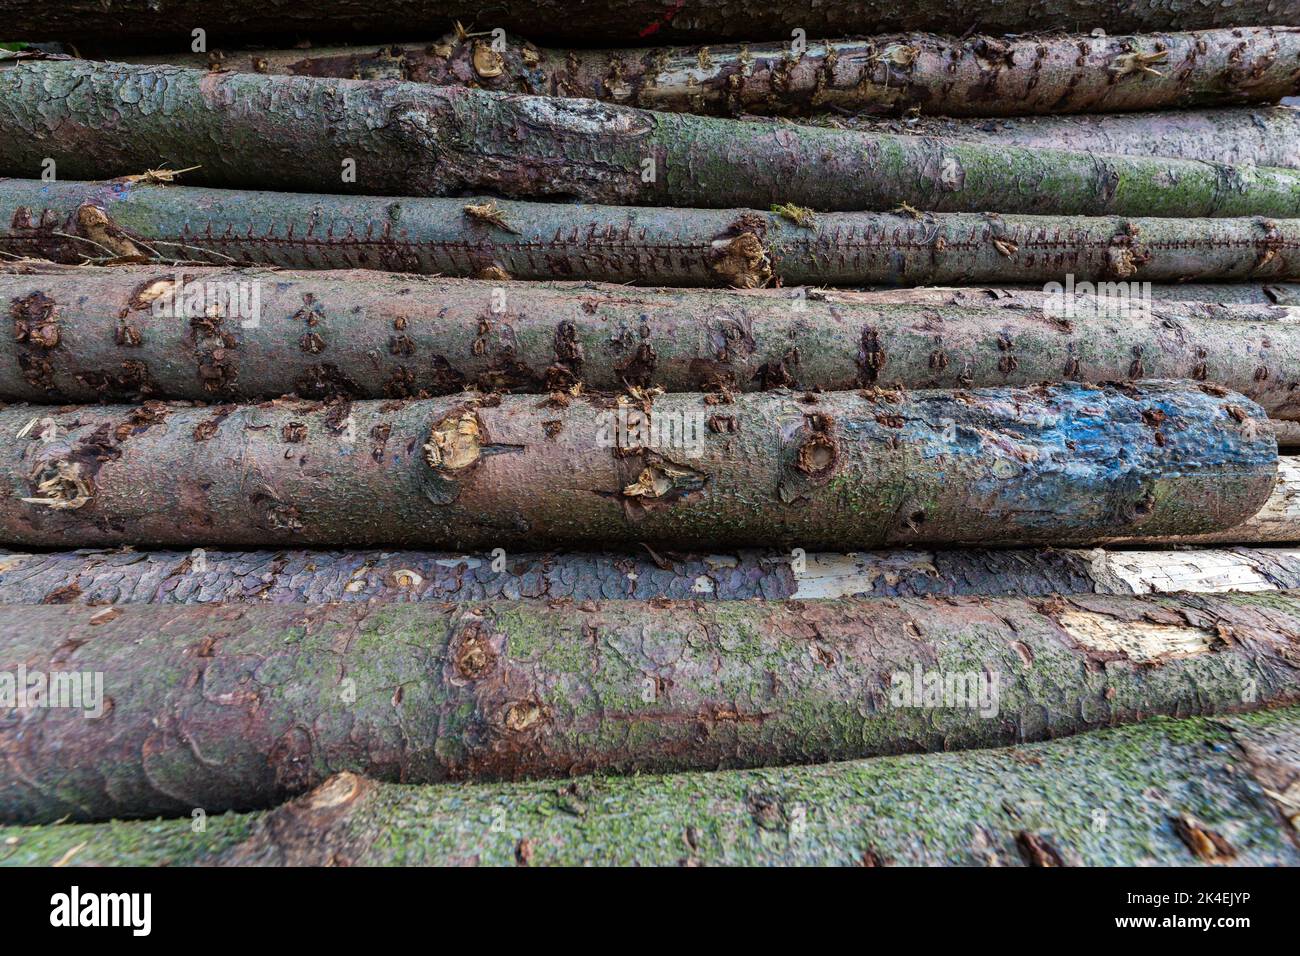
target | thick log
[
  {"x": 939, "y": 75},
  {"x": 619, "y": 22},
  {"x": 99, "y": 578},
  {"x": 84, "y": 334},
  {"x": 1083, "y": 800},
  {"x": 1263, "y": 136},
  {"x": 210, "y": 705},
  {"x": 249, "y": 131},
  {"x": 75, "y": 222},
  {"x": 1052, "y": 464}
]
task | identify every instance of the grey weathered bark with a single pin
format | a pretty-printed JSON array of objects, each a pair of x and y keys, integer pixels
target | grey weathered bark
[
  {"x": 86, "y": 334},
  {"x": 1263, "y": 136},
  {"x": 301, "y": 133},
  {"x": 98, "y": 578},
  {"x": 1222, "y": 787},
  {"x": 74, "y": 222},
  {"x": 238, "y": 707},
  {"x": 1050, "y": 464},
  {"x": 621, "y": 22},
  {"x": 939, "y": 75},
  {"x": 1277, "y": 522}
]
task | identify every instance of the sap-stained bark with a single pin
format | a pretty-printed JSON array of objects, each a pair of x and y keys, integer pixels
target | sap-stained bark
[
  {"x": 1118, "y": 797},
  {"x": 940, "y": 75},
  {"x": 99, "y": 578},
  {"x": 1050, "y": 464},
  {"x": 236, "y": 707},
  {"x": 1264, "y": 136},
  {"x": 299, "y": 133},
  {"x": 85, "y": 329},
  {"x": 74, "y": 222},
  {"x": 619, "y": 22}
]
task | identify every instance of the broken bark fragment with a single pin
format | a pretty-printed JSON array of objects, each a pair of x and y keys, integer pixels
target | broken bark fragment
[
  {"x": 425, "y": 693},
  {"x": 248, "y": 131},
  {"x": 98, "y": 578},
  {"x": 663, "y": 246},
  {"x": 436, "y": 336},
  {"x": 1047, "y": 464},
  {"x": 939, "y": 75}
]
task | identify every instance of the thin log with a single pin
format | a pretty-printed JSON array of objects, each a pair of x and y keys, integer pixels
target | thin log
[
  {"x": 83, "y": 334},
  {"x": 1051, "y": 464},
  {"x": 209, "y": 705},
  {"x": 501, "y": 239},
  {"x": 1083, "y": 800},
  {"x": 248, "y": 131},
  {"x": 99, "y": 578},
  {"x": 939, "y": 75},
  {"x": 1263, "y": 136},
  {"x": 617, "y": 22}
]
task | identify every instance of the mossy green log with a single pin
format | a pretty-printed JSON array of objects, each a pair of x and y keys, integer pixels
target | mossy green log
[
  {"x": 234, "y": 707},
  {"x": 295, "y": 133},
  {"x": 1166, "y": 792}
]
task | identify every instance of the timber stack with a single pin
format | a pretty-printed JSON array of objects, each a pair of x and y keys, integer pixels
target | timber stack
[{"x": 752, "y": 434}]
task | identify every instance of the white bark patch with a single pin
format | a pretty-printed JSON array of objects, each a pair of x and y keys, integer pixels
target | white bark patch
[
  {"x": 844, "y": 575},
  {"x": 1149, "y": 572},
  {"x": 1140, "y": 641}
]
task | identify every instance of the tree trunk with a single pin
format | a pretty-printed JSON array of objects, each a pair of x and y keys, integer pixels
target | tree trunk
[
  {"x": 1051, "y": 464},
  {"x": 940, "y": 75},
  {"x": 98, "y": 578},
  {"x": 127, "y": 333},
  {"x": 1264, "y": 136},
  {"x": 618, "y": 22},
  {"x": 73, "y": 222},
  {"x": 210, "y": 705},
  {"x": 1084, "y": 800},
  {"x": 300, "y": 133}
]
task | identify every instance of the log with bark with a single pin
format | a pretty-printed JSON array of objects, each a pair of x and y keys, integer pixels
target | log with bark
[
  {"x": 225, "y": 707},
  {"x": 126, "y": 333},
  {"x": 485, "y": 238},
  {"x": 1186, "y": 792},
  {"x": 248, "y": 131},
  {"x": 937, "y": 74},
  {"x": 1051, "y": 464},
  {"x": 99, "y": 578},
  {"x": 1264, "y": 136},
  {"x": 618, "y": 22}
]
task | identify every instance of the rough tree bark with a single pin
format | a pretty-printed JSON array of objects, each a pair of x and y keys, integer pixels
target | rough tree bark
[
  {"x": 299, "y": 133},
  {"x": 1277, "y": 522},
  {"x": 98, "y": 578},
  {"x": 1051, "y": 464},
  {"x": 622, "y": 22},
  {"x": 940, "y": 75},
  {"x": 1264, "y": 136},
  {"x": 1225, "y": 791},
  {"x": 85, "y": 334},
  {"x": 238, "y": 707},
  {"x": 73, "y": 222}
]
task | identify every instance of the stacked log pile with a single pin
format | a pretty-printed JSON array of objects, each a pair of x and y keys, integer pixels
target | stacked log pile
[{"x": 782, "y": 448}]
